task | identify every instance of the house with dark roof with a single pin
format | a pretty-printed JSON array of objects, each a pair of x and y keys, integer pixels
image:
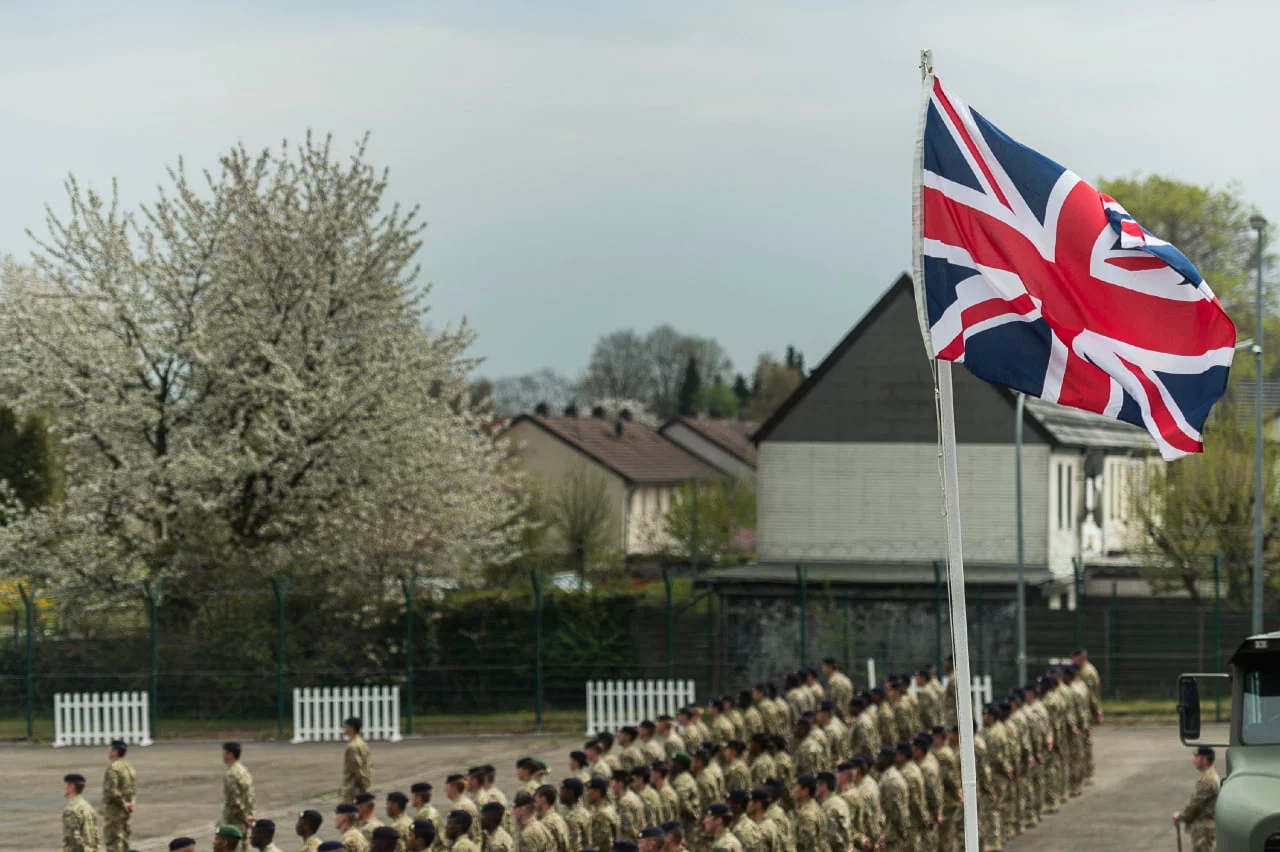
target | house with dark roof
[
  {"x": 848, "y": 472},
  {"x": 726, "y": 445},
  {"x": 635, "y": 468}
]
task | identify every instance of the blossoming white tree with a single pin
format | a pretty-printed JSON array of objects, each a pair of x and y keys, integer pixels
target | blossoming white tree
[{"x": 243, "y": 386}]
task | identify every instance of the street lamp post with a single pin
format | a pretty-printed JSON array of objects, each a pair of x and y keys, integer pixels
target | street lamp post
[{"x": 1260, "y": 225}]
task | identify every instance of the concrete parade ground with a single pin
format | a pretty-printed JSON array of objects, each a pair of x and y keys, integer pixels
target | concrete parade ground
[{"x": 1144, "y": 775}]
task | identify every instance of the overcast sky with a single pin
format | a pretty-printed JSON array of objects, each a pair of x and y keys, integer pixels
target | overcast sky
[{"x": 738, "y": 169}]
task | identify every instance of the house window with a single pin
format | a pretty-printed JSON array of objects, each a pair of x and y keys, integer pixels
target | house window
[{"x": 1059, "y": 495}]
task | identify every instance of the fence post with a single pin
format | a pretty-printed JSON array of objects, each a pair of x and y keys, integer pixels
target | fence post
[
  {"x": 407, "y": 587},
  {"x": 1111, "y": 643},
  {"x": 153, "y": 601},
  {"x": 281, "y": 588},
  {"x": 937, "y": 612},
  {"x": 29, "y": 605},
  {"x": 802, "y": 576},
  {"x": 667, "y": 580},
  {"x": 1217, "y": 636},
  {"x": 1076, "y": 568},
  {"x": 982, "y": 659},
  {"x": 537, "y": 648}
]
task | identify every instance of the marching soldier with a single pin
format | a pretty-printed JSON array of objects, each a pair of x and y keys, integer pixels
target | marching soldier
[
  {"x": 526, "y": 769},
  {"x": 455, "y": 789},
  {"x": 927, "y": 701},
  {"x": 631, "y": 756},
  {"x": 905, "y": 709},
  {"x": 595, "y": 759},
  {"x": 836, "y": 731},
  {"x": 771, "y": 839},
  {"x": 495, "y": 837},
  {"x": 651, "y": 839},
  {"x": 895, "y": 803},
  {"x": 422, "y": 809},
  {"x": 357, "y": 768},
  {"x": 760, "y": 762},
  {"x": 263, "y": 836},
  {"x": 869, "y": 792},
  {"x": 650, "y": 749},
  {"x": 629, "y": 806},
  {"x": 237, "y": 789},
  {"x": 79, "y": 822},
  {"x": 716, "y": 825},
  {"x": 736, "y": 774},
  {"x": 345, "y": 817},
  {"x": 424, "y": 836},
  {"x": 307, "y": 827},
  {"x": 660, "y": 779},
  {"x": 736, "y": 718},
  {"x": 721, "y": 727},
  {"x": 671, "y": 741},
  {"x": 864, "y": 737},
  {"x": 922, "y": 753},
  {"x": 457, "y": 830},
  {"x": 579, "y": 766},
  {"x": 951, "y": 828},
  {"x": 604, "y": 819},
  {"x": 226, "y": 838},
  {"x": 775, "y": 812},
  {"x": 742, "y": 826},
  {"x": 649, "y": 795},
  {"x": 576, "y": 816},
  {"x": 839, "y": 687},
  {"x": 752, "y": 719},
  {"x": 383, "y": 839},
  {"x": 607, "y": 753},
  {"x": 1078, "y": 696},
  {"x": 886, "y": 722},
  {"x": 811, "y": 757},
  {"x": 1088, "y": 675},
  {"x": 919, "y": 811},
  {"x": 1198, "y": 814},
  {"x": 786, "y": 766},
  {"x": 708, "y": 789},
  {"x": 119, "y": 792},
  {"x": 367, "y": 815},
  {"x": 835, "y": 810},
  {"x": 809, "y": 823},
  {"x": 949, "y": 711},
  {"x": 397, "y": 806}
]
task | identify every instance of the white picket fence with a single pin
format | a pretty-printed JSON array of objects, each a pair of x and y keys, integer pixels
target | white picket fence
[
  {"x": 97, "y": 718},
  {"x": 981, "y": 692},
  {"x": 611, "y": 704},
  {"x": 318, "y": 712}
]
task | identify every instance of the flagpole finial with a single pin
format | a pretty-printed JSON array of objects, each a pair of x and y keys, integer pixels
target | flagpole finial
[{"x": 926, "y": 63}]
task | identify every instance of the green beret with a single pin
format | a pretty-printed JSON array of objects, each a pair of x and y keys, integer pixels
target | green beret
[
  {"x": 682, "y": 755},
  {"x": 541, "y": 765},
  {"x": 229, "y": 831}
]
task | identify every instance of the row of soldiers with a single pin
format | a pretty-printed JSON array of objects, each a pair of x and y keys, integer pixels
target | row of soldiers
[{"x": 799, "y": 759}]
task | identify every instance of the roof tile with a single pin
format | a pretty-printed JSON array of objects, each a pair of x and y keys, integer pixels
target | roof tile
[{"x": 639, "y": 454}]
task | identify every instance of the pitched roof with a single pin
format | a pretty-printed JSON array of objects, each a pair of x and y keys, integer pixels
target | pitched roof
[
  {"x": 640, "y": 455},
  {"x": 732, "y": 436},
  {"x": 1059, "y": 425}
]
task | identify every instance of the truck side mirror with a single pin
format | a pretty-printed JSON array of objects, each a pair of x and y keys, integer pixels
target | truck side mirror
[{"x": 1188, "y": 708}]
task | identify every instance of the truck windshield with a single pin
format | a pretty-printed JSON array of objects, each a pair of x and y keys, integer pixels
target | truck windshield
[{"x": 1260, "y": 718}]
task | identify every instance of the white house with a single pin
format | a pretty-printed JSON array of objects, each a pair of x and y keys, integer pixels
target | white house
[
  {"x": 726, "y": 445},
  {"x": 848, "y": 470}
]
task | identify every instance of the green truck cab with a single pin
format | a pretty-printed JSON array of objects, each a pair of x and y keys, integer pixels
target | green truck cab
[{"x": 1248, "y": 808}]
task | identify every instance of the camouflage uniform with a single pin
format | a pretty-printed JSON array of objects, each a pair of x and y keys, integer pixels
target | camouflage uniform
[
  {"x": 949, "y": 712},
  {"x": 1081, "y": 742},
  {"x": 837, "y": 740},
  {"x": 119, "y": 788},
  {"x": 670, "y": 802},
  {"x": 79, "y": 827},
  {"x": 950, "y": 833},
  {"x": 930, "y": 712},
  {"x": 632, "y": 757},
  {"x": 737, "y": 776},
  {"x": 690, "y": 813},
  {"x": 840, "y": 691},
  {"x": 932, "y": 798},
  {"x": 782, "y": 822},
  {"x": 237, "y": 795},
  {"x": 753, "y": 721},
  {"x": 1197, "y": 816},
  {"x": 810, "y": 828},
  {"x": 865, "y": 738},
  {"x": 839, "y": 823},
  {"x": 990, "y": 832},
  {"x": 404, "y": 826},
  {"x": 366, "y": 828},
  {"x": 558, "y": 828},
  {"x": 872, "y": 815},
  {"x": 536, "y": 837},
  {"x": 312, "y": 844},
  {"x": 722, "y": 730},
  {"x": 466, "y": 803},
  {"x": 653, "y": 808},
  {"x": 811, "y": 757},
  {"x": 762, "y": 768},
  {"x": 652, "y": 751},
  {"x": 726, "y": 842},
  {"x": 630, "y": 810},
  {"x": 578, "y": 821},
  {"x": 907, "y": 711},
  {"x": 1093, "y": 683},
  {"x": 353, "y": 841},
  {"x": 886, "y": 723},
  {"x": 747, "y": 833},
  {"x": 770, "y": 837},
  {"x": 895, "y": 803},
  {"x": 786, "y": 774},
  {"x": 498, "y": 840},
  {"x": 357, "y": 770},
  {"x": 672, "y": 744},
  {"x": 919, "y": 809},
  {"x": 604, "y": 826}
]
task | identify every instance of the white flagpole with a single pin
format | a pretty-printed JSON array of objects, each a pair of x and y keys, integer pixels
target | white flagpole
[{"x": 951, "y": 492}]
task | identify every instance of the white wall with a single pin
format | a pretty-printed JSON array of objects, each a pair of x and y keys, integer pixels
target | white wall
[
  {"x": 1065, "y": 486},
  {"x": 884, "y": 501}
]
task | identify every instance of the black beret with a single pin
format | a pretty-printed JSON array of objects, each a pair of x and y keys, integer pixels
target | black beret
[
  {"x": 420, "y": 787},
  {"x": 879, "y": 690},
  {"x": 353, "y": 721},
  {"x": 365, "y": 798},
  {"x": 904, "y": 747},
  {"x": 887, "y": 751},
  {"x": 737, "y": 794},
  {"x": 231, "y": 745},
  {"x": 759, "y": 794},
  {"x": 460, "y": 816},
  {"x": 385, "y": 832},
  {"x": 650, "y": 831},
  {"x": 736, "y": 745},
  {"x": 719, "y": 809},
  {"x": 521, "y": 800},
  {"x": 828, "y": 661},
  {"x": 73, "y": 778},
  {"x": 648, "y": 725},
  {"x": 492, "y": 808},
  {"x": 778, "y": 740},
  {"x": 331, "y": 846},
  {"x": 671, "y": 825},
  {"x": 629, "y": 730},
  {"x": 859, "y": 761},
  {"x": 641, "y": 771},
  {"x": 760, "y": 737},
  {"x": 1005, "y": 707},
  {"x": 845, "y": 766},
  {"x": 621, "y": 775},
  {"x": 455, "y": 778},
  {"x": 425, "y": 829},
  {"x": 598, "y": 784},
  {"x": 399, "y": 798},
  {"x": 773, "y": 782},
  {"x": 476, "y": 770},
  {"x": 265, "y": 823},
  {"x": 827, "y": 706},
  {"x": 807, "y": 780},
  {"x": 580, "y": 756},
  {"x": 574, "y": 784},
  {"x": 625, "y": 846},
  {"x": 346, "y": 808},
  {"x": 659, "y": 766},
  {"x": 180, "y": 843},
  {"x": 119, "y": 744},
  {"x": 828, "y": 778},
  {"x": 526, "y": 763},
  {"x": 665, "y": 717},
  {"x": 939, "y": 731},
  {"x": 702, "y": 754},
  {"x": 990, "y": 708},
  {"x": 1205, "y": 751}
]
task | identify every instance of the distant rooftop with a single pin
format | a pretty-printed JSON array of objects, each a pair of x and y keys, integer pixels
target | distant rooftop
[
  {"x": 732, "y": 436},
  {"x": 1076, "y": 428}
]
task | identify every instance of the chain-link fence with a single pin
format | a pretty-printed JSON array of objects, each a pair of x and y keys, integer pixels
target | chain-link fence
[{"x": 236, "y": 656}]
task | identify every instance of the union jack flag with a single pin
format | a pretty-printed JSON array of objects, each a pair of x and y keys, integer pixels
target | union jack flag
[{"x": 1038, "y": 282}]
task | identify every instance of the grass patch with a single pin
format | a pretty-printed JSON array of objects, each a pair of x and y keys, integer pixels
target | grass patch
[
  {"x": 1133, "y": 710},
  {"x": 514, "y": 722}
]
